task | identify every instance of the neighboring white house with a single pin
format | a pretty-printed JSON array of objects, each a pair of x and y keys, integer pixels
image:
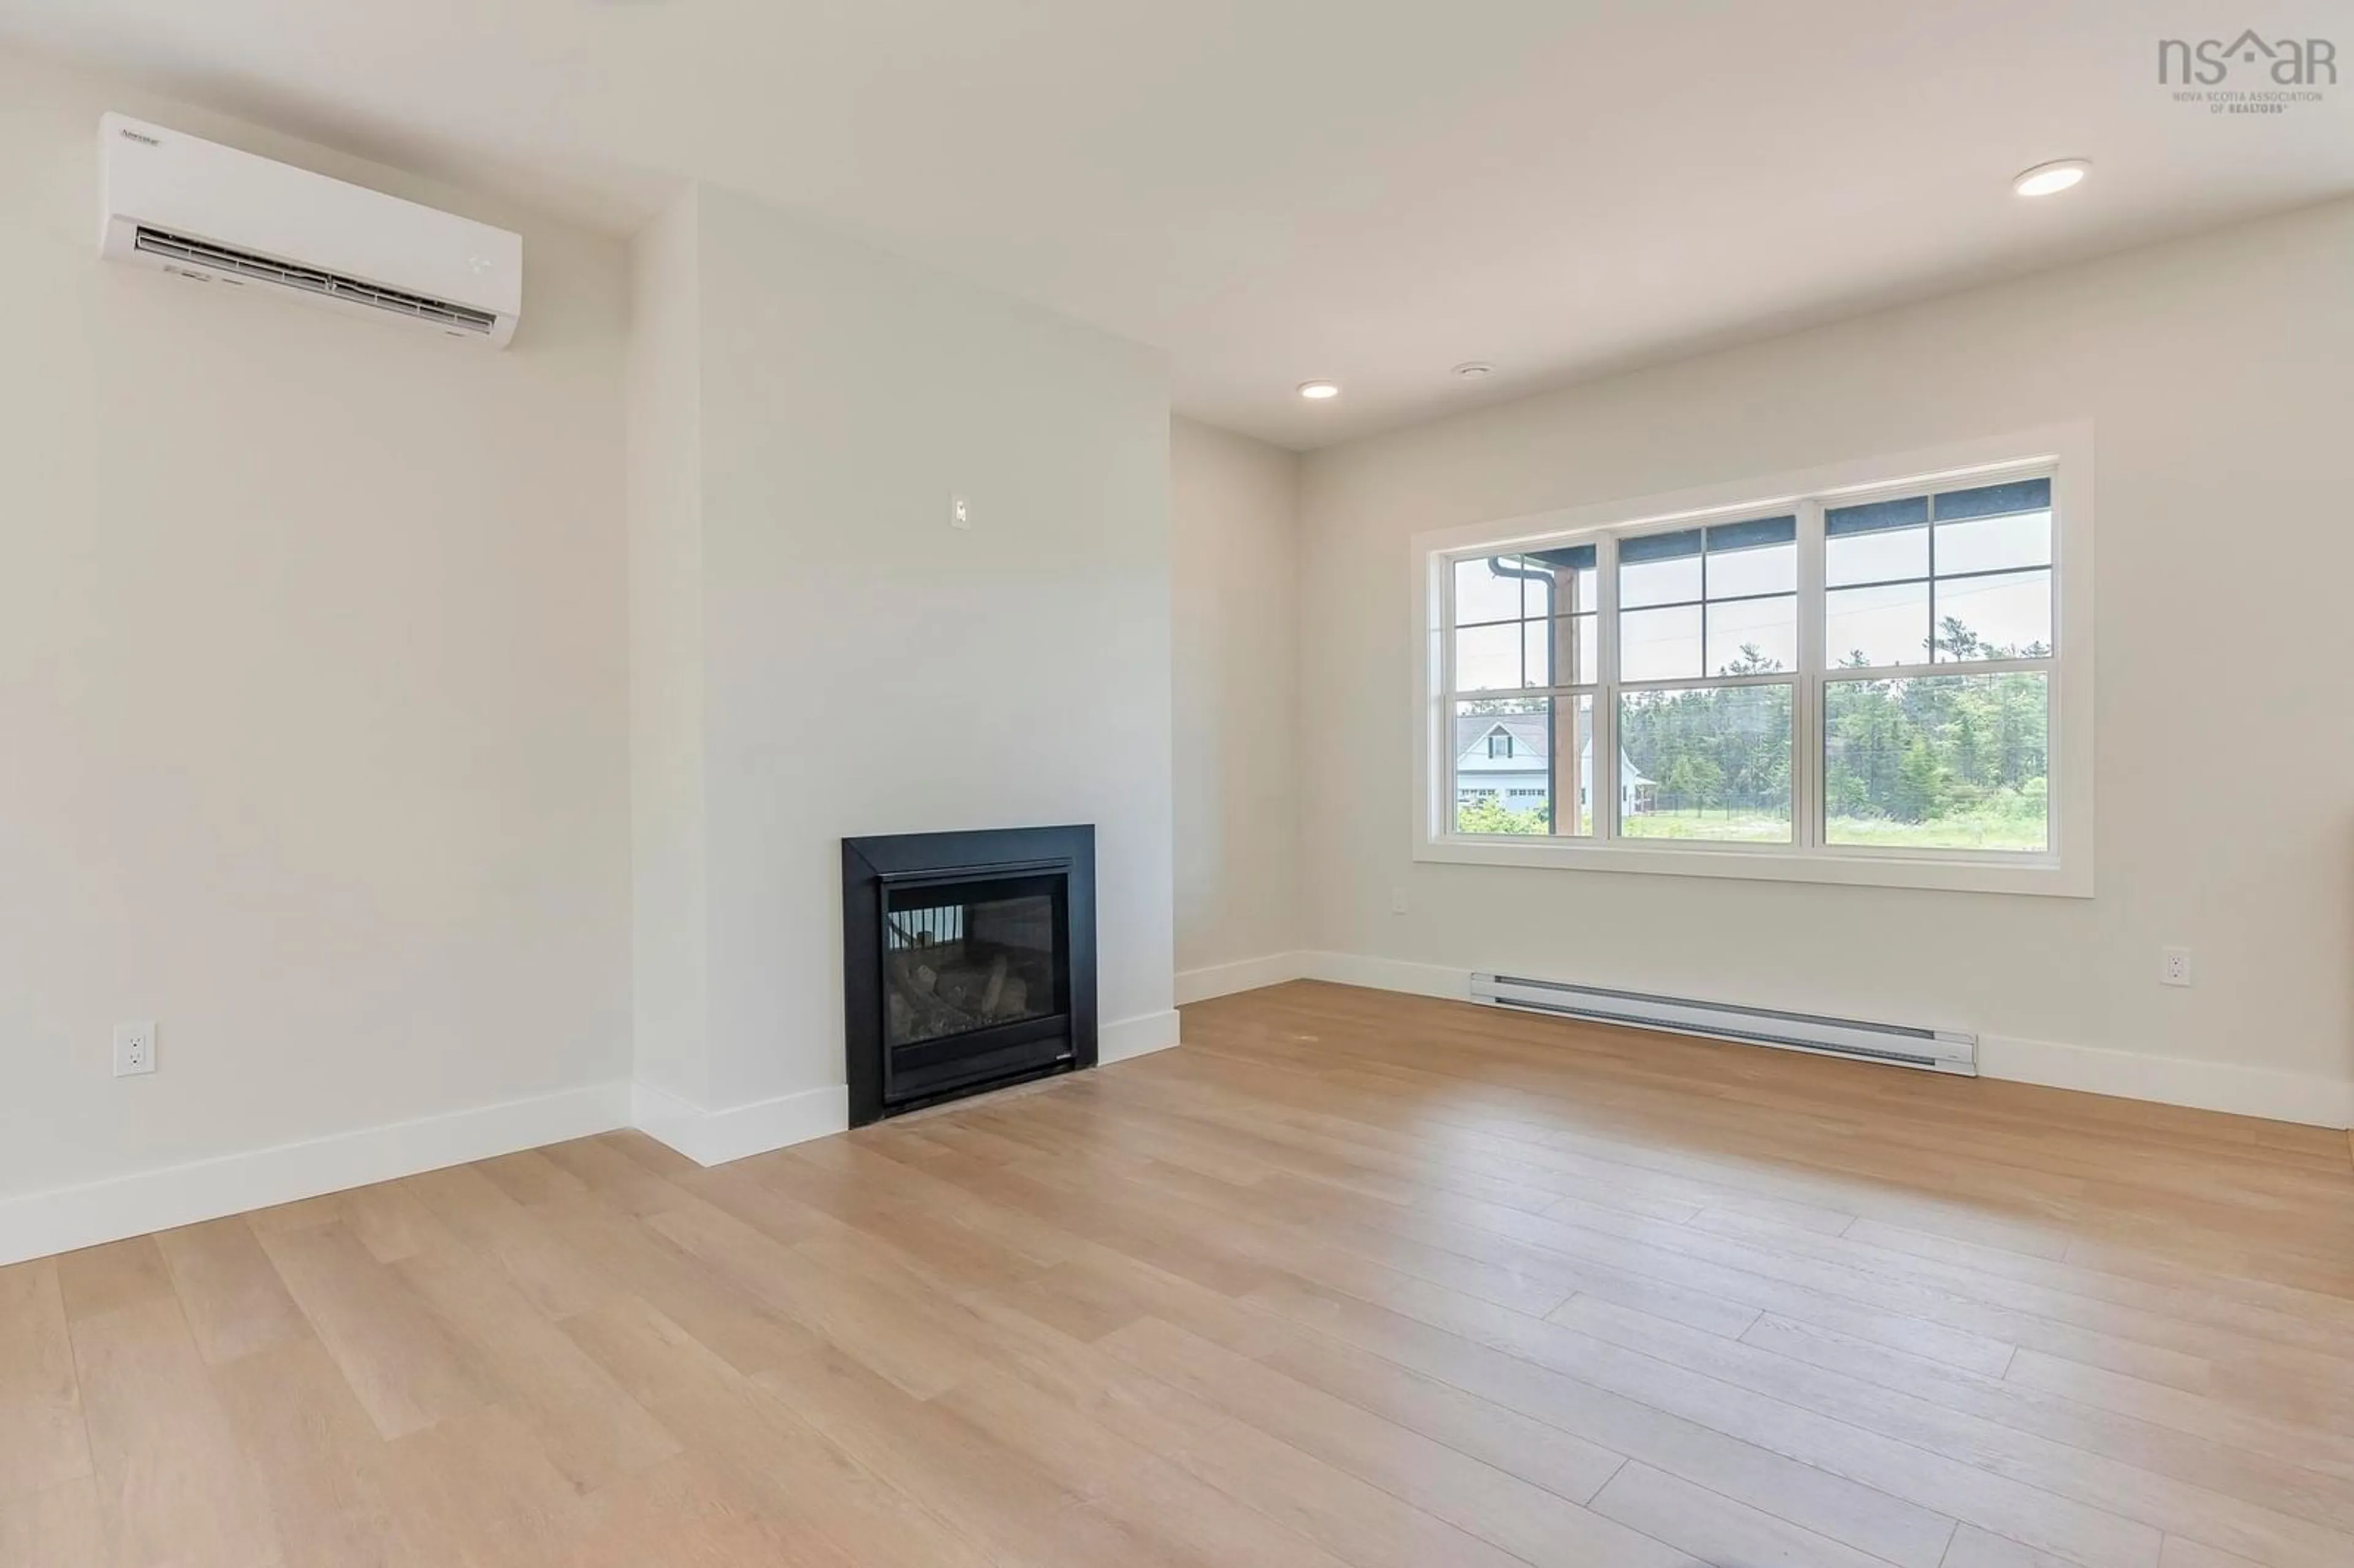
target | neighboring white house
[{"x": 1506, "y": 758}]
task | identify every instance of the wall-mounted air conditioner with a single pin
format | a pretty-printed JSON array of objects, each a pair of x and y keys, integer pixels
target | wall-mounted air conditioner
[{"x": 211, "y": 213}]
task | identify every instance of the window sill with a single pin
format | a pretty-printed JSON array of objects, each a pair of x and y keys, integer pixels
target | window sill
[{"x": 2037, "y": 875}]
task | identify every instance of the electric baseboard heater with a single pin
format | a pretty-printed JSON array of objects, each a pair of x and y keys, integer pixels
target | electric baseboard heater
[{"x": 1932, "y": 1050}]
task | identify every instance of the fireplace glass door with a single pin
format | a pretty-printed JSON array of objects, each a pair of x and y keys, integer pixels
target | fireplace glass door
[{"x": 976, "y": 979}]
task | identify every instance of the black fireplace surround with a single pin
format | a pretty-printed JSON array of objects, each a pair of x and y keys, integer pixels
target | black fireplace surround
[{"x": 969, "y": 963}]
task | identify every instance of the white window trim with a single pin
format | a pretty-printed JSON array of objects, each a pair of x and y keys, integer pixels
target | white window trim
[{"x": 2065, "y": 870}]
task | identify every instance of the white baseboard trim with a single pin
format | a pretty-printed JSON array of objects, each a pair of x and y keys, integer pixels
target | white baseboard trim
[
  {"x": 1390, "y": 974},
  {"x": 36, "y": 1224},
  {"x": 1137, "y": 1037},
  {"x": 2170, "y": 1080},
  {"x": 1247, "y": 974},
  {"x": 738, "y": 1132},
  {"x": 2094, "y": 1069},
  {"x": 64, "y": 1219}
]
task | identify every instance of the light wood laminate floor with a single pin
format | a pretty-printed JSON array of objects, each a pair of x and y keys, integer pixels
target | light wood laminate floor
[{"x": 1349, "y": 1278}]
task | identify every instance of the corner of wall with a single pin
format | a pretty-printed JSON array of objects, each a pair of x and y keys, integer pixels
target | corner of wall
[
  {"x": 715, "y": 1138},
  {"x": 670, "y": 1011},
  {"x": 1235, "y": 517}
]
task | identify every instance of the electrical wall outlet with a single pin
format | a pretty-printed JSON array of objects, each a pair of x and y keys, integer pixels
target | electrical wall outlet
[
  {"x": 1397, "y": 900},
  {"x": 2174, "y": 967},
  {"x": 134, "y": 1049}
]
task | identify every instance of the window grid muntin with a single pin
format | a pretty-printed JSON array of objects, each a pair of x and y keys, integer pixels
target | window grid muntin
[
  {"x": 1932, "y": 521},
  {"x": 1551, "y": 619},
  {"x": 1730, "y": 522}
]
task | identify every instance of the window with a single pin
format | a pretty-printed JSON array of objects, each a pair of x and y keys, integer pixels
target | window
[
  {"x": 1708, "y": 642},
  {"x": 1861, "y": 681},
  {"x": 1524, "y": 623},
  {"x": 1920, "y": 758}
]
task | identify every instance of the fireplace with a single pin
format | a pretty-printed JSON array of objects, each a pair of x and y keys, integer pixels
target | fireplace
[{"x": 969, "y": 963}]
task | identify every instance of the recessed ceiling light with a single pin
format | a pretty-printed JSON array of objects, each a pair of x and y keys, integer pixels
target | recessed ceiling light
[
  {"x": 1474, "y": 370},
  {"x": 2047, "y": 179},
  {"x": 1320, "y": 390}
]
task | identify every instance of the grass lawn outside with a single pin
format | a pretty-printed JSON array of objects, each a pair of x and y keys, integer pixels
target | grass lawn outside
[
  {"x": 1977, "y": 832},
  {"x": 1973, "y": 832},
  {"x": 1715, "y": 827}
]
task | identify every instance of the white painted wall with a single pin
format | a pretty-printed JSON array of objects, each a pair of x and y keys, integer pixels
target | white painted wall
[
  {"x": 313, "y": 703},
  {"x": 1235, "y": 502},
  {"x": 669, "y": 833},
  {"x": 867, "y": 669},
  {"x": 2216, "y": 371}
]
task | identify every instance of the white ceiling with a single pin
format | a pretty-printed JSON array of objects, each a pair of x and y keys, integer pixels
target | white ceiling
[{"x": 1271, "y": 190}]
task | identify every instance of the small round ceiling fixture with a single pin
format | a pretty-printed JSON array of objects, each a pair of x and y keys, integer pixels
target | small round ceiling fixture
[
  {"x": 2049, "y": 179},
  {"x": 1317, "y": 391},
  {"x": 1474, "y": 370}
]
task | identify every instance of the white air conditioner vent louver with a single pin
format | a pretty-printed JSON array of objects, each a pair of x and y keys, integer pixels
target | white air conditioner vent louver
[
  {"x": 182, "y": 205},
  {"x": 1904, "y": 1045},
  {"x": 309, "y": 280}
]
